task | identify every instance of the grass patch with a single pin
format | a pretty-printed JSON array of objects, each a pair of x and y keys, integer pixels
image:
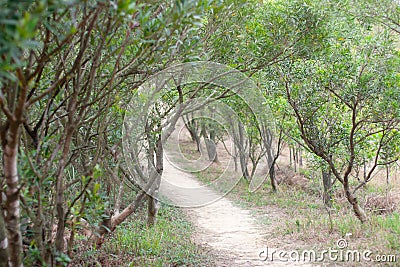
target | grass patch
[{"x": 168, "y": 243}]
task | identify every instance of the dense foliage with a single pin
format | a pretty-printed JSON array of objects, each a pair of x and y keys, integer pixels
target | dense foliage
[{"x": 329, "y": 71}]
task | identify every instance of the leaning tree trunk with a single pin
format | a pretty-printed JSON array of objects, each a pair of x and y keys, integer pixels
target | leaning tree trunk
[
  {"x": 359, "y": 212},
  {"x": 111, "y": 225}
]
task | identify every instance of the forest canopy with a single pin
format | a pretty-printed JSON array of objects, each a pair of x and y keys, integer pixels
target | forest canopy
[{"x": 328, "y": 71}]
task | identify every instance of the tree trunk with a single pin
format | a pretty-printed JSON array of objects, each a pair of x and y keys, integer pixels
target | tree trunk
[
  {"x": 60, "y": 190},
  {"x": 210, "y": 143},
  {"x": 242, "y": 153},
  {"x": 300, "y": 157},
  {"x": 271, "y": 159},
  {"x": 272, "y": 177},
  {"x": 191, "y": 126},
  {"x": 10, "y": 161},
  {"x": 365, "y": 170},
  {"x": 214, "y": 146},
  {"x": 294, "y": 159},
  {"x": 211, "y": 150},
  {"x": 254, "y": 164},
  {"x": 387, "y": 176},
  {"x": 119, "y": 197},
  {"x": 197, "y": 140},
  {"x": 243, "y": 166},
  {"x": 3, "y": 242},
  {"x": 272, "y": 156},
  {"x": 235, "y": 158},
  {"x": 152, "y": 203},
  {"x": 327, "y": 182},
  {"x": 38, "y": 229},
  {"x": 152, "y": 209},
  {"x": 359, "y": 212},
  {"x": 118, "y": 219},
  {"x": 387, "y": 180}
]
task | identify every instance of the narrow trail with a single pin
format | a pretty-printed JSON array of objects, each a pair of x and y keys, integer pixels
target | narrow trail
[{"x": 231, "y": 232}]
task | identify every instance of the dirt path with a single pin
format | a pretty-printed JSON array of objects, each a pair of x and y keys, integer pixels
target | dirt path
[{"x": 229, "y": 231}]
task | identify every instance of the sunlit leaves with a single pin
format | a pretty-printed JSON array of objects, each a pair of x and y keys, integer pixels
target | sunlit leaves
[
  {"x": 347, "y": 98},
  {"x": 256, "y": 33},
  {"x": 17, "y": 31}
]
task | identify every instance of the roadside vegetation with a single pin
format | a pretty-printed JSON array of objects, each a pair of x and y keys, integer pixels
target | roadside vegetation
[
  {"x": 297, "y": 219},
  {"x": 318, "y": 134},
  {"x": 169, "y": 243}
]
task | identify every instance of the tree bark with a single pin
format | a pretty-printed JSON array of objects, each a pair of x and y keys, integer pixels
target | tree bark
[
  {"x": 272, "y": 156},
  {"x": 10, "y": 161},
  {"x": 327, "y": 182},
  {"x": 3, "y": 242},
  {"x": 242, "y": 154},
  {"x": 213, "y": 146},
  {"x": 211, "y": 150},
  {"x": 359, "y": 212},
  {"x": 387, "y": 177},
  {"x": 300, "y": 156},
  {"x": 235, "y": 158},
  {"x": 119, "y": 197},
  {"x": 272, "y": 178},
  {"x": 153, "y": 206},
  {"x": 60, "y": 191},
  {"x": 191, "y": 126},
  {"x": 294, "y": 159},
  {"x": 152, "y": 209},
  {"x": 209, "y": 140},
  {"x": 118, "y": 219}
]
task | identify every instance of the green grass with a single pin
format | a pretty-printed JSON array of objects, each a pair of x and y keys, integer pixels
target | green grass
[{"x": 168, "y": 243}]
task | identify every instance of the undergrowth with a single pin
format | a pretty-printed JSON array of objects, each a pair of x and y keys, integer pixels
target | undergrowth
[{"x": 168, "y": 243}]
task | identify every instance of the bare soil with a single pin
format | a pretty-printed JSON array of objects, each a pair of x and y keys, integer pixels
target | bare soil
[{"x": 230, "y": 232}]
